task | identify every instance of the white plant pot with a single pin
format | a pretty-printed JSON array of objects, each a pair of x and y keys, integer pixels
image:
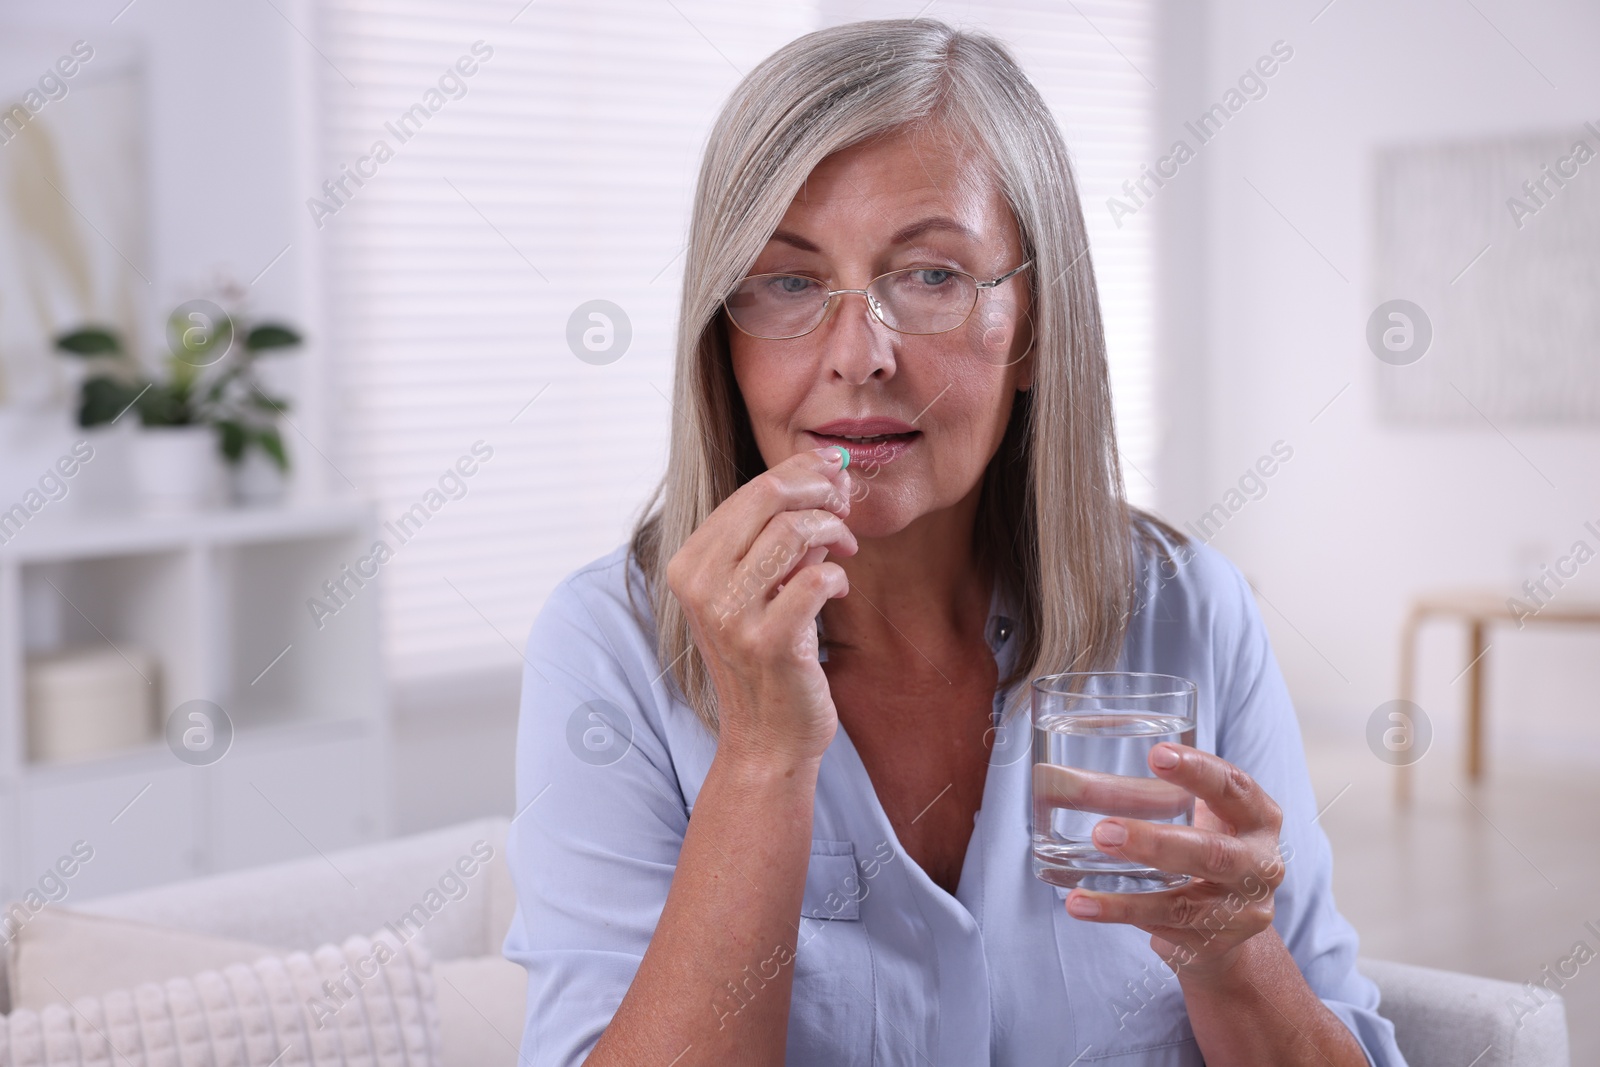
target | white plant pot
[
  {"x": 256, "y": 481},
  {"x": 176, "y": 468}
]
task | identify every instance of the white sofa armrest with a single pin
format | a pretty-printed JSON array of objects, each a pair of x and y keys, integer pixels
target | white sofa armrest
[
  {"x": 317, "y": 899},
  {"x": 1449, "y": 1019}
]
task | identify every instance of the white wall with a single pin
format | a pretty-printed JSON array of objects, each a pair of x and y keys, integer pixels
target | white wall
[
  {"x": 227, "y": 118},
  {"x": 1364, "y": 515}
]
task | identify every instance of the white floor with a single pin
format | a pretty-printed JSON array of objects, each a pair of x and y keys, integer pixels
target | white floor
[{"x": 1496, "y": 879}]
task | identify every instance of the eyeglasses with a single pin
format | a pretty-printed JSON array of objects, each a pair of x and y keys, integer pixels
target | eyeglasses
[{"x": 917, "y": 300}]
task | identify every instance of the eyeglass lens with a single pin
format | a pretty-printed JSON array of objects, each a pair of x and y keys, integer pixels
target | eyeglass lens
[{"x": 918, "y": 300}]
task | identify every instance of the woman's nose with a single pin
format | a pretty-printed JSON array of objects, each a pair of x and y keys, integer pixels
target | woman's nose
[{"x": 857, "y": 346}]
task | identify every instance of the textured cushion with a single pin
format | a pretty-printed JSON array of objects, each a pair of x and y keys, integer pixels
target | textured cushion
[
  {"x": 367, "y": 1002},
  {"x": 61, "y": 955}
]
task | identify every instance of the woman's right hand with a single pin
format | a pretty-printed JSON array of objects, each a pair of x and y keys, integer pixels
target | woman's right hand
[{"x": 751, "y": 580}]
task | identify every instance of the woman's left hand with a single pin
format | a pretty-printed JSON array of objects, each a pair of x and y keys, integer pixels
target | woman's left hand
[{"x": 1231, "y": 851}]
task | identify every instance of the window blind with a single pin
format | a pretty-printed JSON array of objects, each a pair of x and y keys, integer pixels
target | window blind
[{"x": 487, "y": 168}]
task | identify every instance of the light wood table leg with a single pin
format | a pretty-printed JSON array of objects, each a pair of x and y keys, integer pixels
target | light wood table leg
[
  {"x": 1477, "y": 651},
  {"x": 1408, "y": 664}
]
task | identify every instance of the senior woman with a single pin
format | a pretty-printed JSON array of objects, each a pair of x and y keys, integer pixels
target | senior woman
[{"x": 772, "y": 771}]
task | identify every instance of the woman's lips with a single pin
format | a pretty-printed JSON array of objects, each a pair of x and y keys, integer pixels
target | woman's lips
[{"x": 871, "y": 453}]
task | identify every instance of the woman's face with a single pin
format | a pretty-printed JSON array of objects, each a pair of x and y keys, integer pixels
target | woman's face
[{"x": 908, "y": 200}]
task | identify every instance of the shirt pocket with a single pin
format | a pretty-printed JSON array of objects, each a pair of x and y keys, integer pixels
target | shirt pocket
[
  {"x": 832, "y": 1012},
  {"x": 833, "y": 885}
]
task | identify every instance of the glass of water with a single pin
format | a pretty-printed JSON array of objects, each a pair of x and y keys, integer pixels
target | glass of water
[{"x": 1092, "y": 736}]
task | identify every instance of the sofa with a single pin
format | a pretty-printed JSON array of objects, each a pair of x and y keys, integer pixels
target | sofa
[{"x": 1441, "y": 1018}]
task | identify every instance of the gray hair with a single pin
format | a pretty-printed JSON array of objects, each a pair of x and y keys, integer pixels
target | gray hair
[{"x": 1054, "y": 521}]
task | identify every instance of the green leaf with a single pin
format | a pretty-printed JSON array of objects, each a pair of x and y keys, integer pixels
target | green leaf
[
  {"x": 271, "y": 335},
  {"x": 182, "y": 376},
  {"x": 273, "y": 404},
  {"x": 102, "y": 399},
  {"x": 162, "y": 405},
  {"x": 233, "y": 440},
  {"x": 194, "y": 334},
  {"x": 274, "y": 446},
  {"x": 90, "y": 341}
]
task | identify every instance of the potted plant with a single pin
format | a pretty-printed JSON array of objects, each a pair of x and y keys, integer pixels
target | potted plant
[
  {"x": 245, "y": 414},
  {"x": 209, "y": 400}
]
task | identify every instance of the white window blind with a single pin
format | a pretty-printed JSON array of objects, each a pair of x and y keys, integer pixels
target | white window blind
[{"x": 557, "y": 172}]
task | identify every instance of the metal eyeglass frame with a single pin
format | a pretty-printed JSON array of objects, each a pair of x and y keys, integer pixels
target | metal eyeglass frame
[{"x": 872, "y": 304}]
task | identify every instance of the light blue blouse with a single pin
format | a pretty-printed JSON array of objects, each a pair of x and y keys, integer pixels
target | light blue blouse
[{"x": 890, "y": 968}]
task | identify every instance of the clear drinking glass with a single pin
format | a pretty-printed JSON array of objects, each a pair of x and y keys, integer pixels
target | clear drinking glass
[{"x": 1092, "y": 736}]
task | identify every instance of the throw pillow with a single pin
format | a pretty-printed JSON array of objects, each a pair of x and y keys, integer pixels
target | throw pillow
[
  {"x": 61, "y": 955},
  {"x": 369, "y": 1001}
]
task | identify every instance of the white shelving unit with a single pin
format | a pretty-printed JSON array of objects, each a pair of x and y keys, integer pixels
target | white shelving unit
[{"x": 220, "y": 598}]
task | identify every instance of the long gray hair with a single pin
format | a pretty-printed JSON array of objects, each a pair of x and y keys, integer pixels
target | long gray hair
[{"x": 1054, "y": 522}]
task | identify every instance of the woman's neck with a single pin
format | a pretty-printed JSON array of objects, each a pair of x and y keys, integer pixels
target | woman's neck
[{"x": 916, "y": 590}]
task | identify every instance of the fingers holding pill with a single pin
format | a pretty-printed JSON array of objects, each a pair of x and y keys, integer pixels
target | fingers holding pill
[{"x": 752, "y": 579}]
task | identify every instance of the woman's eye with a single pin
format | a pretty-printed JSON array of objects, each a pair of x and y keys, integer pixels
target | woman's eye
[
  {"x": 791, "y": 284},
  {"x": 931, "y": 277}
]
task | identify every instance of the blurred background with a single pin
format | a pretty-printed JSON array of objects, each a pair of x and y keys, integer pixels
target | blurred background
[{"x": 333, "y": 334}]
